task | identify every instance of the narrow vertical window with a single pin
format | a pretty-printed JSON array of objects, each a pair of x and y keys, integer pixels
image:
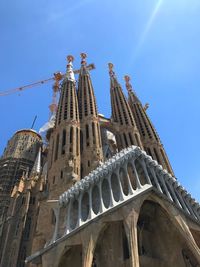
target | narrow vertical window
[
  {"x": 52, "y": 154},
  {"x": 137, "y": 140},
  {"x": 87, "y": 134},
  {"x": 27, "y": 228},
  {"x": 77, "y": 143},
  {"x": 157, "y": 157},
  {"x": 125, "y": 139},
  {"x": 63, "y": 142},
  {"x": 71, "y": 139},
  {"x": 131, "y": 139},
  {"x": 81, "y": 141},
  {"x": 93, "y": 133},
  {"x": 56, "y": 149}
]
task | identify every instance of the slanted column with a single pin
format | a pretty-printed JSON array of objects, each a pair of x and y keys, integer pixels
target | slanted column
[
  {"x": 57, "y": 214},
  {"x": 164, "y": 185},
  {"x": 79, "y": 210},
  {"x": 68, "y": 228},
  {"x": 102, "y": 208},
  {"x": 89, "y": 243},
  {"x": 88, "y": 254},
  {"x": 145, "y": 171},
  {"x": 139, "y": 186},
  {"x": 68, "y": 218},
  {"x": 131, "y": 223},
  {"x": 91, "y": 214},
  {"x": 130, "y": 188},
  {"x": 186, "y": 198},
  {"x": 120, "y": 185},
  {"x": 112, "y": 201},
  {"x": 178, "y": 190},
  {"x": 173, "y": 192},
  {"x": 155, "y": 179}
]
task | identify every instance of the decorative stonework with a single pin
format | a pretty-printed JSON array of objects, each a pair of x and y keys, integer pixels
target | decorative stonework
[{"x": 104, "y": 189}]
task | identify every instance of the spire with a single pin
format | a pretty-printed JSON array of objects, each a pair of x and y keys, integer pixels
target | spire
[
  {"x": 87, "y": 101},
  {"x": 37, "y": 165},
  {"x": 91, "y": 147},
  {"x": 64, "y": 147},
  {"x": 70, "y": 74},
  {"x": 149, "y": 137},
  {"x": 84, "y": 69},
  {"x": 113, "y": 78},
  {"x": 68, "y": 106},
  {"x": 129, "y": 88},
  {"x": 121, "y": 114}
]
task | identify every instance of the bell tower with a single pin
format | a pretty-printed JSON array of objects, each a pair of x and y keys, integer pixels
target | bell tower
[
  {"x": 123, "y": 121},
  {"x": 150, "y": 139},
  {"x": 64, "y": 153},
  {"x": 90, "y": 137}
]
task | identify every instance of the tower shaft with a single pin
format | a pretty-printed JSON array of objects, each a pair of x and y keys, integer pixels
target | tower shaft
[
  {"x": 150, "y": 139},
  {"x": 127, "y": 133},
  {"x": 90, "y": 138},
  {"x": 64, "y": 156}
]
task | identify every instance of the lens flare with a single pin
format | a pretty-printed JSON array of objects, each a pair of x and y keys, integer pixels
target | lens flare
[{"x": 148, "y": 27}]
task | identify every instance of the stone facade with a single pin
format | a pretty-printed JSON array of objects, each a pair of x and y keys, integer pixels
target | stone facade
[
  {"x": 18, "y": 157},
  {"x": 106, "y": 195}
]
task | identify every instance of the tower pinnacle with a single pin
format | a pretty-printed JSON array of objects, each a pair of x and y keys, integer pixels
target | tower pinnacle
[
  {"x": 149, "y": 137},
  {"x": 130, "y": 89},
  {"x": 70, "y": 73},
  {"x": 113, "y": 77},
  {"x": 126, "y": 131},
  {"x": 90, "y": 144},
  {"x": 83, "y": 59},
  {"x": 128, "y": 85}
]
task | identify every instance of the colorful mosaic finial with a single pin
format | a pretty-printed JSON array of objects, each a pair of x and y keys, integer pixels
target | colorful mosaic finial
[
  {"x": 127, "y": 80},
  {"x": 70, "y": 73}
]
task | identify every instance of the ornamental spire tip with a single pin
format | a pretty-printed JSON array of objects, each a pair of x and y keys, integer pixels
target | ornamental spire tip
[
  {"x": 70, "y": 73},
  {"x": 83, "y": 59},
  {"x": 127, "y": 80},
  {"x": 70, "y": 58}
]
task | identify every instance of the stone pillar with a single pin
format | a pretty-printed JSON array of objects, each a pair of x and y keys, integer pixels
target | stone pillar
[
  {"x": 88, "y": 251},
  {"x": 131, "y": 223}
]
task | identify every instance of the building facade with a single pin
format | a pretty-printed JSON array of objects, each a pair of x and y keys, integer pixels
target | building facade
[
  {"x": 18, "y": 157},
  {"x": 106, "y": 195}
]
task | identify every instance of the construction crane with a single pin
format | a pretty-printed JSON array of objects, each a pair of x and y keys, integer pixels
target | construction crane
[{"x": 58, "y": 76}]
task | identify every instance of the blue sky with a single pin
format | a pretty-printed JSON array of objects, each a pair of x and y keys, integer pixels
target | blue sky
[{"x": 156, "y": 42}]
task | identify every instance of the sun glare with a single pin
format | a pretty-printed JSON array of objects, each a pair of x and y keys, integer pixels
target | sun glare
[{"x": 148, "y": 27}]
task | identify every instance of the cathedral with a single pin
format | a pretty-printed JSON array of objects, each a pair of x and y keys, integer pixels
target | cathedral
[{"x": 100, "y": 193}]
